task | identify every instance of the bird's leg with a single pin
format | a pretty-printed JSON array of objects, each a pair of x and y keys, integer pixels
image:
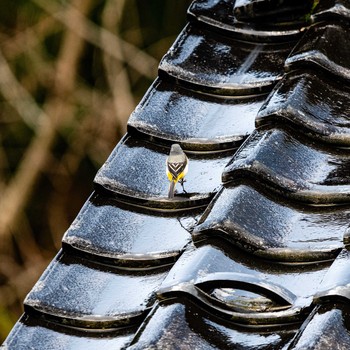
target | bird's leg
[
  {"x": 182, "y": 181},
  {"x": 171, "y": 189}
]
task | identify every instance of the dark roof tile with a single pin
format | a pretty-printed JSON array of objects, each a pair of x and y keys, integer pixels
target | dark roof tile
[
  {"x": 293, "y": 166},
  {"x": 214, "y": 12},
  {"x": 327, "y": 328},
  {"x": 226, "y": 281},
  {"x": 222, "y": 65},
  {"x": 324, "y": 47},
  {"x": 186, "y": 326},
  {"x": 79, "y": 293},
  {"x": 306, "y": 101},
  {"x": 170, "y": 113},
  {"x": 219, "y": 15},
  {"x": 336, "y": 283},
  {"x": 122, "y": 234},
  {"x": 273, "y": 228},
  {"x": 215, "y": 257},
  {"x": 271, "y": 9},
  {"x": 32, "y": 333},
  {"x": 332, "y": 10}
]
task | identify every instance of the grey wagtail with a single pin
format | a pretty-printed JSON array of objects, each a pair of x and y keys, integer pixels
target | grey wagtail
[{"x": 176, "y": 167}]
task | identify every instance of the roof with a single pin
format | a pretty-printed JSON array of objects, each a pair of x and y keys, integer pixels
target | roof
[{"x": 252, "y": 253}]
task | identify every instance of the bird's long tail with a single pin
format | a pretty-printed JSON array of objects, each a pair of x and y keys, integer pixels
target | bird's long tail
[{"x": 171, "y": 189}]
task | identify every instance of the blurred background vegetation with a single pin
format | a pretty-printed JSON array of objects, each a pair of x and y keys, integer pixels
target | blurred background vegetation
[{"x": 71, "y": 72}]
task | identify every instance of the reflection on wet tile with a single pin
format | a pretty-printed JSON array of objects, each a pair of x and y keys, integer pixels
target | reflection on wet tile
[
  {"x": 200, "y": 330},
  {"x": 136, "y": 170},
  {"x": 123, "y": 235},
  {"x": 332, "y": 10},
  {"x": 326, "y": 47},
  {"x": 336, "y": 283},
  {"x": 32, "y": 333},
  {"x": 219, "y": 15},
  {"x": 313, "y": 103},
  {"x": 274, "y": 229},
  {"x": 197, "y": 121},
  {"x": 293, "y": 281},
  {"x": 271, "y": 9},
  {"x": 222, "y": 65},
  {"x": 88, "y": 295},
  {"x": 215, "y": 12},
  {"x": 328, "y": 327},
  {"x": 295, "y": 167}
]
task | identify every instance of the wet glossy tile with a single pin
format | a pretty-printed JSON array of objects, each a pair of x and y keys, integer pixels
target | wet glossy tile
[
  {"x": 326, "y": 328},
  {"x": 210, "y": 62},
  {"x": 293, "y": 166},
  {"x": 241, "y": 288},
  {"x": 169, "y": 113},
  {"x": 219, "y": 15},
  {"x": 136, "y": 171},
  {"x": 271, "y": 9},
  {"x": 311, "y": 103},
  {"x": 32, "y": 333},
  {"x": 336, "y": 283},
  {"x": 325, "y": 47},
  {"x": 218, "y": 257},
  {"x": 125, "y": 235},
  {"x": 272, "y": 228},
  {"x": 76, "y": 292},
  {"x": 200, "y": 330},
  {"x": 330, "y": 10}
]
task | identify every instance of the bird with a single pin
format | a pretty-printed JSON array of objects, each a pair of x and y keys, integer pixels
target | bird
[{"x": 176, "y": 167}]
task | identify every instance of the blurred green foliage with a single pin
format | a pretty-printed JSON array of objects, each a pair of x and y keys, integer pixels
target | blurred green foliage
[{"x": 42, "y": 193}]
